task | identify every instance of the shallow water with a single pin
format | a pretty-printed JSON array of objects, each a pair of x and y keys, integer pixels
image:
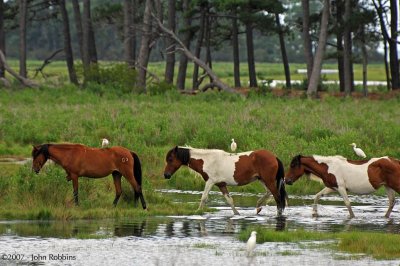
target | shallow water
[{"x": 209, "y": 239}]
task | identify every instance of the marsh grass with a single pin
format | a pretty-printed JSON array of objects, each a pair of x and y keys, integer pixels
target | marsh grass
[
  {"x": 151, "y": 125},
  {"x": 374, "y": 244}
]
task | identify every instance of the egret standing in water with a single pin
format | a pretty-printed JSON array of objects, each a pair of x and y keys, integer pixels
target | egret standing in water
[
  {"x": 233, "y": 145},
  {"x": 104, "y": 143},
  {"x": 251, "y": 243},
  {"x": 358, "y": 151}
]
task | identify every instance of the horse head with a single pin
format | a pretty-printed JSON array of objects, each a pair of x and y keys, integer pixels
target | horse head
[
  {"x": 40, "y": 155},
  {"x": 296, "y": 170},
  {"x": 175, "y": 158}
]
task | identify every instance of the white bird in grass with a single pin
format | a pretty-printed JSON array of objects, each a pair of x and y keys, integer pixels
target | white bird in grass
[
  {"x": 233, "y": 145},
  {"x": 251, "y": 243},
  {"x": 104, "y": 143},
  {"x": 358, "y": 151}
]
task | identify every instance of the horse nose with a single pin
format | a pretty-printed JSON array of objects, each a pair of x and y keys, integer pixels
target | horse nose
[
  {"x": 167, "y": 175},
  {"x": 288, "y": 181}
]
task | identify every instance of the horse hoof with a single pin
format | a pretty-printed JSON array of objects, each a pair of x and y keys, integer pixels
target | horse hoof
[{"x": 258, "y": 210}]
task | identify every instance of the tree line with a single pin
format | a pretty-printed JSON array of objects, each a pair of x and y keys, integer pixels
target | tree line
[{"x": 346, "y": 31}]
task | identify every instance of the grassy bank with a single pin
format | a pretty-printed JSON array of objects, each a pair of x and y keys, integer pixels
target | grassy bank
[
  {"x": 151, "y": 125},
  {"x": 376, "y": 245}
]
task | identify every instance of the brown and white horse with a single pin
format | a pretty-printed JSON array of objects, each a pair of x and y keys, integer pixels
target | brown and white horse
[
  {"x": 80, "y": 160},
  {"x": 342, "y": 175},
  {"x": 223, "y": 169}
]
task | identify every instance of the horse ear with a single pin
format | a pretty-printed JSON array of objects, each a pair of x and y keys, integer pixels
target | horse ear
[{"x": 176, "y": 148}]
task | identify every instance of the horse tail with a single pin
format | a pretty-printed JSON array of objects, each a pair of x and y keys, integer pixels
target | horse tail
[
  {"x": 137, "y": 172},
  {"x": 280, "y": 184}
]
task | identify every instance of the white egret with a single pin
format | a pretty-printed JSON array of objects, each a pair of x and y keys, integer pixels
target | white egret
[
  {"x": 251, "y": 243},
  {"x": 104, "y": 143},
  {"x": 233, "y": 145},
  {"x": 358, "y": 151}
]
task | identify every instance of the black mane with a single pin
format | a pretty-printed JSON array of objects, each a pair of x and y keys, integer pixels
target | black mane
[
  {"x": 183, "y": 154},
  {"x": 296, "y": 161},
  {"x": 44, "y": 149}
]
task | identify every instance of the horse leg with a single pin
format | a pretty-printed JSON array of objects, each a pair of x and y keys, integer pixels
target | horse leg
[
  {"x": 261, "y": 200},
  {"x": 228, "y": 198},
  {"x": 74, "y": 179},
  {"x": 117, "y": 183},
  {"x": 136, "y": 187},
  {"x": 391, "y": 195},
  {"x": 343, "y": 193},
  {"x": 204, "y": 196},
  {"x": 323, "y": 192}
]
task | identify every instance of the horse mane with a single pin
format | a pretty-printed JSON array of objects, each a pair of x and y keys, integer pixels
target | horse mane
[
  {"x": 44, "y": 149},
  {"x": 183, "y": 154}
]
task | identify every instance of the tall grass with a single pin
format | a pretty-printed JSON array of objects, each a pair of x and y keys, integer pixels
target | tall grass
[{"x": 151, "y": 125}]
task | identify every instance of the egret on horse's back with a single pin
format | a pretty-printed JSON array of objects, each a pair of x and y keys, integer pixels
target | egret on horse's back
[
  {"x": 342, "y": 175},
  {"x": 224, "y": 169},
  {"x": 80, "y": 160}
]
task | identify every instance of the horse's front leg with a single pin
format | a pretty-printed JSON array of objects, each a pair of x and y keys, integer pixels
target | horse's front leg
[
  {"x": 343, "y": 193},
  {"x": 204, "y": 196},
  {"x": 74, "y": 179},
  {"x": 323, "y": 192},
  {"x": 228, "y": 198}
]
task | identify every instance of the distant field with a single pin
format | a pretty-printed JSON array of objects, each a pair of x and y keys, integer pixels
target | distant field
[{"x": 56, "y": 72}]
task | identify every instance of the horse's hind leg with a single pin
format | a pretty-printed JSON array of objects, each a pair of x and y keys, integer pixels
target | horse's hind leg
[
  {"x": 117, "y": 183},
  {"x": 136, "y": 187},
  {"x": 228, "y": 198},
  {"x": 391, "y": 195},
  {"x": 261, "y": 200}
]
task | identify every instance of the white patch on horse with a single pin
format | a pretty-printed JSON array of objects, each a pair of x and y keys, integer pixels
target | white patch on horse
[
  {"x": 218, "y": 164},
  {"x": 353, "y": 177}
]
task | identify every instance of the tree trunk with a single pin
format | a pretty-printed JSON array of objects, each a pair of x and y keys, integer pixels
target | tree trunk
[
  {"x": 2, "y": 37},
  {"x": 307, "y": 38},
  {"x": 385, "y": 55},
  {"x": 128, "y": 33},
  {"x": 250, "y": 55},
  {"x": 394, "y": 59},
  {"x": 285, "y": 60},
  {"x": 67, "y": 43},
  {"x": 319, "y": 55},
  {"x": 78, "y": 26},
  {"x": 208, "y": 44},
  {"x": 170, "y": 43},
  {"x": 347, "y": 47},
  {"x": 199, "y": 44},
  {"x": 235, "y": 46},
  {"x": 216, "y": 81},
  {"x": 180, "y": 83},
  {"x": 144, "y": 52},
  {"x": 26, "y": 82},
  {"x": 364, "y": 61},
  {"x": 339, "y": 43},
  {"x": 85, "y": 38},
  {"x": 23, "y": 6}
]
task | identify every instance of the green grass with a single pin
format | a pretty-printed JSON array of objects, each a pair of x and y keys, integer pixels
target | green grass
[
  {"x": 374, "y": 244},
  {"x": 151, "y": 125}
]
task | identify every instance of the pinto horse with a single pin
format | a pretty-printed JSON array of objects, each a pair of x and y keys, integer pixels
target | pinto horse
[
  {"x": 80, "y": 160},
  {"x": 342, "y": 175},
  {"x": 227, "y": 169}
]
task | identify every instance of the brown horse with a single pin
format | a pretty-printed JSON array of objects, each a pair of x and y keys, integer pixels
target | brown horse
[
  {"x": 227, "y": 169},
  {"x": 80, "y": 160},
  {"x": 342, "y": 175}
]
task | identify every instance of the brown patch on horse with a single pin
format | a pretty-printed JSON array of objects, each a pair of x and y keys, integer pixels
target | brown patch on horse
[
  {"x": 244, "y": 168},
  {"x": 357, "y": 162},
  {"x": 385, "y": 172},
  {"x": 321, "y": 170},
  {"x": 197, "y": 165}
]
